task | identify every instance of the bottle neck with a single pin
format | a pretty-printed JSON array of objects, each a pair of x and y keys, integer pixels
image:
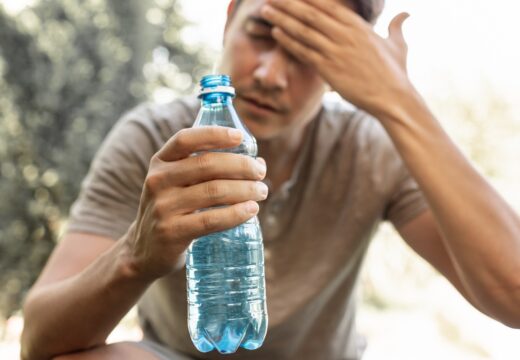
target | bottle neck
[{"x": 216, "y": 98}]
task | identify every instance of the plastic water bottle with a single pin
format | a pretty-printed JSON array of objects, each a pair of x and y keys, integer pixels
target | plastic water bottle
[{"x": 225, "y": 270}]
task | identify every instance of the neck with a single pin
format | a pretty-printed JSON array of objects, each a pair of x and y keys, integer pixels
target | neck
[
  {"x": 281, "y": 152},
  {"x": 281, "y": 147}
]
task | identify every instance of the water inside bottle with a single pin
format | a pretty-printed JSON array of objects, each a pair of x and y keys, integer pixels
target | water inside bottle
[
  {"x": 226, "y": 288},
  {"x": 225, "y": 270}
]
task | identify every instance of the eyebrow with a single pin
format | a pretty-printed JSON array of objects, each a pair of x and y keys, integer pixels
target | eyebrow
[{"x": 259, "y": 21}]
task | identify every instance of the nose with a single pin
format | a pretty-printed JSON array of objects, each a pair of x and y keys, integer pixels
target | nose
[{"x": 272, "y": 71}]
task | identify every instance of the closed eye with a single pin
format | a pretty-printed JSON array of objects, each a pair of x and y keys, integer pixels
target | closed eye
[
  {"x": 257, "y": 37},
  {"x": 258, "y": 29}
]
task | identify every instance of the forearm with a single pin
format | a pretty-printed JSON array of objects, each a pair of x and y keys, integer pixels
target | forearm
[
  {"x": 480, "y": 230},
  {"x": 81, "y": 311}
]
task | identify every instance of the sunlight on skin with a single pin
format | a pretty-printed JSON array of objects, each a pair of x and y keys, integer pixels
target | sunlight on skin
[
  {"x": 446, "y": 39},
  {"x": 451, "y": 54},
  {"x": 455, "y": 48}
]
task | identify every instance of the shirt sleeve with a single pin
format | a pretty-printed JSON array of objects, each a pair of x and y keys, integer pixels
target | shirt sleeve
[
  {"x": 406, "y": 201},
  {"x": 110, "y": 193}
]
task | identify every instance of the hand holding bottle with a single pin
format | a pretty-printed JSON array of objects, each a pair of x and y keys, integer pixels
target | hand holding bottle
[
  {"x": 227, "y": 306},
  {"x": 178, "y": 184}
]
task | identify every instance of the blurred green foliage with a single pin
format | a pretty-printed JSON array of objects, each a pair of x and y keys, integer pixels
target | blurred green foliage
[{"x": 68, "y": 70}]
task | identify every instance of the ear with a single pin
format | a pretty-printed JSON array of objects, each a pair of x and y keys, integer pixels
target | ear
[
  {"x": 230, "y": 8},
  {"x": 230, "y": 14}
]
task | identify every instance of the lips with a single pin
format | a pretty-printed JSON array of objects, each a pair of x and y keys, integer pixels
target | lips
[{"x": 260, "y": 103}]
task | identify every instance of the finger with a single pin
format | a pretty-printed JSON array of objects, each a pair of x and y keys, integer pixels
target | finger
[
  {"x": 205, "y": 167},
  {"x": 209, "y": 221},
  {"x": 261, "y": 159},
  {"x": 297, "y": 29},
  {"x": 192, "y": 140},
  {"x": 337, "y": 10},
  {"x": 285, "y": 12},
  {"x": 395, "y": 28},
  {"x": 300, "y": 51},
  {"x": 213, "y": 193}
]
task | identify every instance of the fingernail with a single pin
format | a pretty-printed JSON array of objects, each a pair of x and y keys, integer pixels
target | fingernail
[
  {"x": 261, "y": 168},
  {"x": 261, "y": 160},
  {"x": 251, "y": 207},
  {"x": 275, "y": 31},
  {"x": 262, "y": 189},
  {"x": 267, "y": 10},
  {"x": 235, "y": 134}
]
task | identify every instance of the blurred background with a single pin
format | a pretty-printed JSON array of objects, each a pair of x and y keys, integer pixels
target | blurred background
[{"x": 70, "y": 68}]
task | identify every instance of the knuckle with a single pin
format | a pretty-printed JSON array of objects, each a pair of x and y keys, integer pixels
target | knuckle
[
  {"x": 170, "y": 228},
  {"x": 152, "y": 183},
  {"x": 209, "y": 222},
  {"x": 155, "y": 159},
  {"x": 175, "y": 229},
  {"x": 213, "y": 191},
  {"x": 159, "y": 209},
  {"x": 204, "y": 161},
  {"x": 180, "y": 139},
  {"x": 246, "y": 164},
  {"x": 164, "y": 229}
]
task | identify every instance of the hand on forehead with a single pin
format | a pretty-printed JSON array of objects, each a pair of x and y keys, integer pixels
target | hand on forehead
[
  {"x": 234, "y": 4},
  {"x": 369, "y": 10}
]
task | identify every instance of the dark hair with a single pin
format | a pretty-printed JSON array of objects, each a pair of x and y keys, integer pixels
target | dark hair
[{"x": 367, "y": 9}]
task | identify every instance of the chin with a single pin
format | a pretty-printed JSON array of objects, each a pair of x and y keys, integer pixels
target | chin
[
  {"x": 262, "y": 132},
  {"x": 261, "y": 128}
]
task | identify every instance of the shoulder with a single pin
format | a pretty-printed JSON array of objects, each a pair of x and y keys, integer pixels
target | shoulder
[
  {"x": 354, "y": 126},
  {"x": 142, "y": 131},
  {"x": 160, "y": 121},
  {"x": 361, "y": 141}
]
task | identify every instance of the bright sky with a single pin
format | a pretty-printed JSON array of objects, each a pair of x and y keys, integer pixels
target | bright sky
[
  {"x": 453, "y": 44},
  {"x": 464, "y": 42}
]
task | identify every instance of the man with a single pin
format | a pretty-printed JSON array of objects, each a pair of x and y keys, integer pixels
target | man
[{"x": 334, "y": 174}]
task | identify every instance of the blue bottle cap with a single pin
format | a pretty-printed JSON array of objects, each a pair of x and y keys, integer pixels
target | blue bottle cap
[{"x": 216, "y": 84}]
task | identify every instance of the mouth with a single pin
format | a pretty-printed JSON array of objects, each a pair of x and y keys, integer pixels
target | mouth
[{"x": 259, "y": 104}]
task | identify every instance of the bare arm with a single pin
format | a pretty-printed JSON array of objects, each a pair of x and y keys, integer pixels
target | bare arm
[
  {"x": 480, "y": 231},
  {"x": 85, "y": 289},
  {"x": 90, "y": 281},
  {"x": 422, "y": 235}
]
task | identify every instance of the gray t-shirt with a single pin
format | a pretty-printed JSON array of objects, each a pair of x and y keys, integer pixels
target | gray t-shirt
[{"x": 316, "y": 227}]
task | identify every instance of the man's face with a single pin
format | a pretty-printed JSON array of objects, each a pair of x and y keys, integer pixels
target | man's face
[{"x": 275, "y": 91}]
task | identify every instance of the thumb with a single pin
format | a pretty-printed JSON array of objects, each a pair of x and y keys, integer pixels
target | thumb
[{"x": 395, "y": 29}]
